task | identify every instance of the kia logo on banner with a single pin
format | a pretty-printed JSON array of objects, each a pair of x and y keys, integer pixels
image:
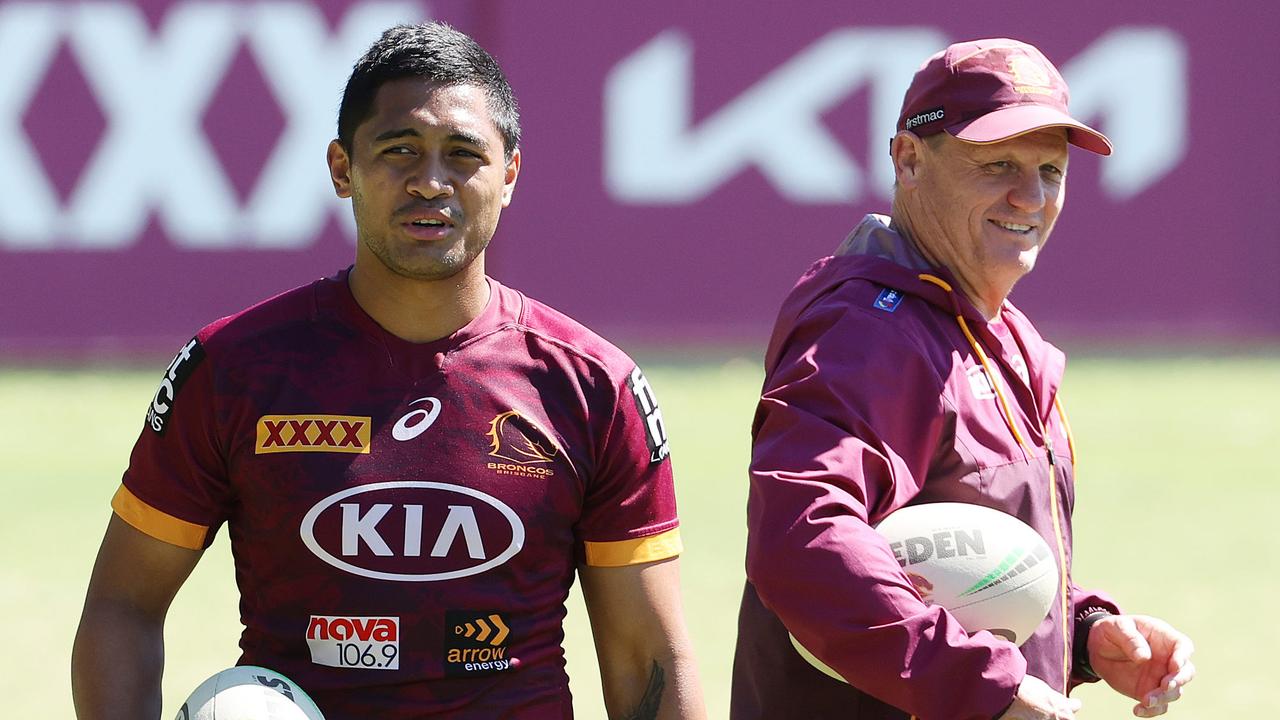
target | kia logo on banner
[{"x": 1133, "y": 78}]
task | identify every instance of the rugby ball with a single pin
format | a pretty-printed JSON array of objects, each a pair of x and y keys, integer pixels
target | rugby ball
[
  {"x": 989, "y": 569},
  {"x": 249, "y": 692}
]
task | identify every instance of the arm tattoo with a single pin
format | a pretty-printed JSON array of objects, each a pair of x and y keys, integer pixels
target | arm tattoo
[{"x": 652, "y": 698}]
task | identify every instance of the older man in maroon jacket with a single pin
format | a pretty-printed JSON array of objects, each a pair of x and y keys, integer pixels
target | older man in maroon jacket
[{"x": 899, "y": 374}]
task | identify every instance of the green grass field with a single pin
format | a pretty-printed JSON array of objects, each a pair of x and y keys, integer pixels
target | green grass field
[{"x": 1176, "y": 495}]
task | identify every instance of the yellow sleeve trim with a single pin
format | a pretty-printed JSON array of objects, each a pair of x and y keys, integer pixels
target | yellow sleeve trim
[
  {"x": 157, "y": 524},
  {"x": 633, "y": 552}
]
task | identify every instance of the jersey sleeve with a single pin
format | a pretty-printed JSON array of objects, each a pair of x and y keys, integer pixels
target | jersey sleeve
[
  {"x": 849, "y": 420},
  {"x": 629, "y": 510},
  {"x": 175, "y": 488}
]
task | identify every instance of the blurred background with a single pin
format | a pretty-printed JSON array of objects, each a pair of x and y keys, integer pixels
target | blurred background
[{"x": 684, "y": 162}]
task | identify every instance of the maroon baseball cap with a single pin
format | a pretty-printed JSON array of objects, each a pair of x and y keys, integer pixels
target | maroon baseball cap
[{"x": 985, "y": 91}]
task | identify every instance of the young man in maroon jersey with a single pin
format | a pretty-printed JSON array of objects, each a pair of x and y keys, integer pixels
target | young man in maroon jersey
[
  {"x": 899, "y": 374},
  {"x": 412, "y": 460}
]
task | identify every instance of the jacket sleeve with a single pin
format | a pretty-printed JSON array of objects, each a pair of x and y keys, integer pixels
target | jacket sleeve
[
  {"x": 848, "y": 422},
  {"x": 1083, "y": 604}
]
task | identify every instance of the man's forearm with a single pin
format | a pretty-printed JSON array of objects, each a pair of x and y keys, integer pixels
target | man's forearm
[
  {"x": 651, "y": 700},
  {"x": 669, "y": 690},
  {"x": 683, "y": 691},
  {"x": 116, "y": 665}
]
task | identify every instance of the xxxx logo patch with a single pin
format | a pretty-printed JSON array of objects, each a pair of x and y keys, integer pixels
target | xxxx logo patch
[{"x": 312, "y": 433}]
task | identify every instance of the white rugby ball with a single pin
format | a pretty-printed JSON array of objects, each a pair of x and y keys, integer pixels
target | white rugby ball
[
  {"x": 249, "y": 692},
  {"x": 989, "y": 569}
]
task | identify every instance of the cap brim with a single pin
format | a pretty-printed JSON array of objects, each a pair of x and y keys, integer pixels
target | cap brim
[{"x": 1010, "y": 122}]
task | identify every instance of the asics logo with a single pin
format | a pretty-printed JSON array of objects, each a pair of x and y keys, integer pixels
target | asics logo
[{"x": 416, "y": 422}]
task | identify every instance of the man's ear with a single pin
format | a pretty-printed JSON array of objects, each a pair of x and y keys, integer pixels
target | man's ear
[
  {"x": 907, "y": 150},
  {"x": 339, "y": 169},
  {"x": 509, "y": 179}
]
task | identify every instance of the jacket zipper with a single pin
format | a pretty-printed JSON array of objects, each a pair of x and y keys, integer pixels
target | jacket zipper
[{"x": 1062, "y": 556}]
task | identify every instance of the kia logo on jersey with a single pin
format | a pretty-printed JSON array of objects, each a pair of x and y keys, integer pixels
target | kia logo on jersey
[{"x": 412, "y": 531}]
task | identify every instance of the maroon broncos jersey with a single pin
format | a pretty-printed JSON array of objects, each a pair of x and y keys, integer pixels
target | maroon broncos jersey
[{"x": 406, "y": 518}]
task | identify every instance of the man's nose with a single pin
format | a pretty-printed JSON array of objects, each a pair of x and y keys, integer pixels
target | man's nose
[
  {"x": 1029, "y": 192},
  {"x": 430, "y": 179}
]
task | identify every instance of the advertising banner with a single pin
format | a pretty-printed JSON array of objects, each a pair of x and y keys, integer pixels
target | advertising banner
[{"x": 683, "y": 162}]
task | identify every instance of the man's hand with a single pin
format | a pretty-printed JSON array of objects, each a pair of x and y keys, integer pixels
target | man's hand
[
  {"x": 1142, "y": 657},
  {"x": 1035, "y": 700}
]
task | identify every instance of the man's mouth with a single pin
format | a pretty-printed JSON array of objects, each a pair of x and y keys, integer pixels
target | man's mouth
[
  {"x": 1013, "y": 227},
  {"x": 427, "y": 218},
  {"x": 428, "y": 225}
]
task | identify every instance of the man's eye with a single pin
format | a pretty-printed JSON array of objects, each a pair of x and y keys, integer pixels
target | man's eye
[
  {"x": 1053, "y": 170},
  {"x": 398, "y": 150}
]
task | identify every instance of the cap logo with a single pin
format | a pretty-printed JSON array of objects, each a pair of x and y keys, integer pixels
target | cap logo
[
  {"x": 1030, "y": 76},
  {"x": 924, "y": 116}
]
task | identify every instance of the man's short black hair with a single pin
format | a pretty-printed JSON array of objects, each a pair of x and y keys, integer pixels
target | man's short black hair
[{"x": 439, "y": 54}]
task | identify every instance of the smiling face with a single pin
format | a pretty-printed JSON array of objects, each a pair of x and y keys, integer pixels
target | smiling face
[
  {"x": 981, "y": 211},
  {"x": 428, "y": 180}
]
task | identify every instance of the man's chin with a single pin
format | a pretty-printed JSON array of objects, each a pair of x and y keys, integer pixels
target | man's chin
[
  {"x": 434, "y": 274},
  {"x": 432, "y": 270},
  {"x": 1021, "y": 263}
]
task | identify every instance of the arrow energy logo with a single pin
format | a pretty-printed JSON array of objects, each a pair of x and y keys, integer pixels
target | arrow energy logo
[{"x": 476, "y": 643}]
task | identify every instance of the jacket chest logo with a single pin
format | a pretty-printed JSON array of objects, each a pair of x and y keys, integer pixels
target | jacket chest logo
[{"x": 980, "y": 383}]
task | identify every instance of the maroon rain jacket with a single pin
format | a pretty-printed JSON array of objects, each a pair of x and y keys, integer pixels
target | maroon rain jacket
[{"x": 879, "y": 394}]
